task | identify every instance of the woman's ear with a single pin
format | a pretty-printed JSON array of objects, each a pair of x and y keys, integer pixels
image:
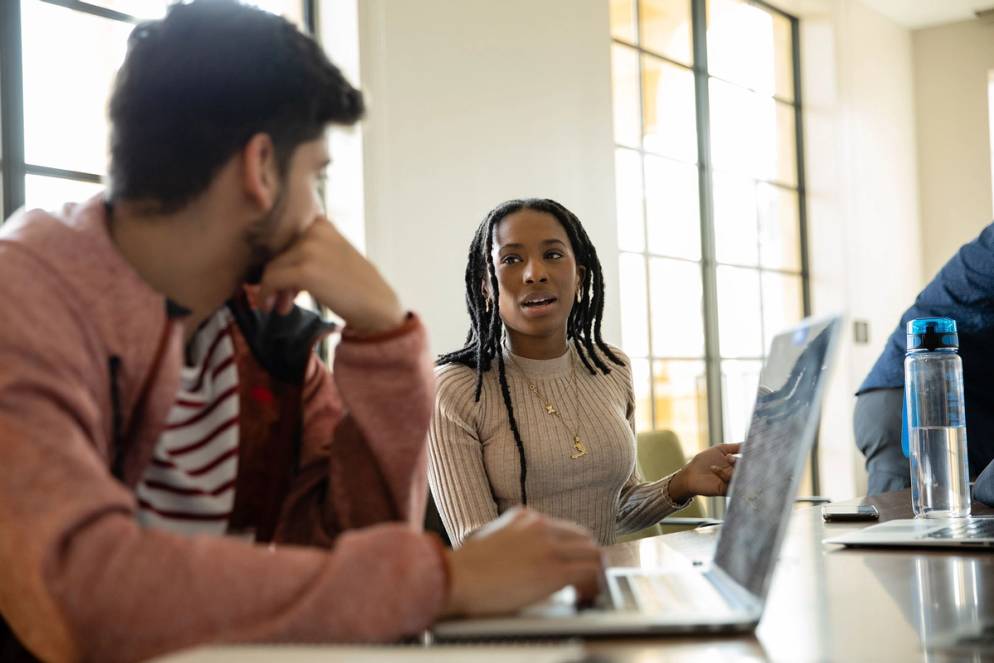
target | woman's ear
[
  {"x": 488, "y": 297},
  {"x": 581, "y": 273},
  {"x": 260, "y": 178}
]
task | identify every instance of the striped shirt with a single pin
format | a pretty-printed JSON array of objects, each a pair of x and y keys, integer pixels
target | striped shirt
[{"x": 189, "y": 487}]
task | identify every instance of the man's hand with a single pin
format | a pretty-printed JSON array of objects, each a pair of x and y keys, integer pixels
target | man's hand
[
  {"x": 520, "y": 558},
  {"x": 322, "y": 262},
  {"x": 707, "y": 473}
]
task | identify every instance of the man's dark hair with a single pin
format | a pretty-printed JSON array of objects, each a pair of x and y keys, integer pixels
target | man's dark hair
[
  {"x": 198, "y": 84},
  {"x": 486, "y": 332}
]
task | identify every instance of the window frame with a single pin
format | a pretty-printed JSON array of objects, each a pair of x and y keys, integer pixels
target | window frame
[
  {"x": 708, "y": 262},
  {"x": 13, "y": 167}
]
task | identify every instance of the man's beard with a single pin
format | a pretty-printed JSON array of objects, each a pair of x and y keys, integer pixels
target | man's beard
[{"x": 259, "y": 238}]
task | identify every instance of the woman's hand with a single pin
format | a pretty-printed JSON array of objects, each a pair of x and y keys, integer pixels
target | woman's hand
[{"x": 707, "y": 473}]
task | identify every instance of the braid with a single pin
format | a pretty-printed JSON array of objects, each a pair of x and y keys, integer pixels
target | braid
[
  {"x": 486, "y": 333},
  {"x": 506, "y": 393},
  {"x": 588, "y": 312}
]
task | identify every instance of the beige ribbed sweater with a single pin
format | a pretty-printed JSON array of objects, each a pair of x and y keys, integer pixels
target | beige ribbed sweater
[{"x": 473, "y": 465}]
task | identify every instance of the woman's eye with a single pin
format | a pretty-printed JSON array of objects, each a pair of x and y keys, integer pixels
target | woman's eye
[
  {"x": 509, "y": 260},
  {"x": 555, "y": 255}
]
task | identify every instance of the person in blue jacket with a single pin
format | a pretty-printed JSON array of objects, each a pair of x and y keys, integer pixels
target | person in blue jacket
[{"x": 964, "y": 291}]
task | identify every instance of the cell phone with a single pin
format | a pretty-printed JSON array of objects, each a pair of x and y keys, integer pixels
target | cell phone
[{"x": 849, "y": 512}]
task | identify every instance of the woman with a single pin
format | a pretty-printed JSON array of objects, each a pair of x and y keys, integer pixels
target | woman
[{"x": 536, "y": 409}]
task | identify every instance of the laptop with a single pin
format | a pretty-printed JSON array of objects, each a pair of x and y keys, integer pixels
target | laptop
[
  {"x": 974, "y": 532},
  {"x": 729, "y": 594}
]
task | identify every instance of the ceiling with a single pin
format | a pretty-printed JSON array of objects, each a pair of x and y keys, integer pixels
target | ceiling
[{"x": 915, "y": 14}]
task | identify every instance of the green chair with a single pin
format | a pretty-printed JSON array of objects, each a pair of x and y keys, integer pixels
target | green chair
[{"x": 659, "y": 454}]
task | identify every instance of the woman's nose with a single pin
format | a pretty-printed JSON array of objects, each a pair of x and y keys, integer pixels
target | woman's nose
[{"x": 535, "y": 271}]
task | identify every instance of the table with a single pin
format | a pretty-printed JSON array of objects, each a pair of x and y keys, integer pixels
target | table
[
  {"x": 826, "y": 603},
  {"x": 829, "y": 603}
]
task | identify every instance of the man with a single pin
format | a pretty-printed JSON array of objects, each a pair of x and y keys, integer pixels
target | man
[
  {"x": 172, "y": 453},
  {"x": 964, "y": 291}
]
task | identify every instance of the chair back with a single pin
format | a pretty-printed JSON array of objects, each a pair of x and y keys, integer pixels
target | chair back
[{"x": 659, "y": 454}]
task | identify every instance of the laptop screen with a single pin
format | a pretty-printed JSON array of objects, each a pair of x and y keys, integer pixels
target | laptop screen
[{"x": 780, "y": 436}]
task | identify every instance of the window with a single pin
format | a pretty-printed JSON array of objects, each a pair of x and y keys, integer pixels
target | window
[
  {"x": 55, "y": 129},
  {"x": 710, "y": 205}
]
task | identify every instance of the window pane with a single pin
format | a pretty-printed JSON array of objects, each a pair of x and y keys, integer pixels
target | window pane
[
  {"x": 783, "y": 57},
  {"x": 681, "y": 402},
  {"x": 625, "y": 82},
  {"x": 736, "y": 230},
  {"x": 634, "y": 316},
  {"x": 623, "y": 20},
  {"x": 65, "y": 93},
  {"x": 677, "y": 310},
  {"x": 752, "y": 134},
  {"x": 51, "y": 193},
  {"x": 666, "y": 28},
  {"x": 779, "y": 228},
  {"x": 740, "y": 331},
  {"x": 784, "y": 169},
  {"x": 143, "y": 9},
  {"x": 643, "y": 399},
  {"x": 739, "y": 382},
  {"x": 628, "y": 190},
  {"x": 750, "y": 46},
  {"x": 668, "y": 117},
  {"x": 783, "y": 304},
  {"x": 672, "y": 207},
  {"x": 292, "y": 10}
]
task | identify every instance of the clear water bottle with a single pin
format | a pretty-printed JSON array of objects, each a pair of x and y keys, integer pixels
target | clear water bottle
[{"x": 936, "y": 418}]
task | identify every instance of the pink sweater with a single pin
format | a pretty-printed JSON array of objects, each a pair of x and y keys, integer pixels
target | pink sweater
[{"x": 81, "y": 580}]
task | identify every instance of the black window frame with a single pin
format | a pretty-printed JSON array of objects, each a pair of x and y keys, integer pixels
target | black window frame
[
  {"x": 705, "y": 168},
  {"x": 13, "y": 166}
]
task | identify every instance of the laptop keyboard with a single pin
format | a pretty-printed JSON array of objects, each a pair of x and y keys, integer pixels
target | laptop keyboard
[
  {"x": 660, "y": 592},
  {"x": 970, "y": 528}
]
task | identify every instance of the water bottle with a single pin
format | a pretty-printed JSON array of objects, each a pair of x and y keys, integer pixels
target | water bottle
[{"x": 936, "y": 419}]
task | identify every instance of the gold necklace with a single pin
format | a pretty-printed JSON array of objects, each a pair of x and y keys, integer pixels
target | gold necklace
[{"x": 579, "y": 449}]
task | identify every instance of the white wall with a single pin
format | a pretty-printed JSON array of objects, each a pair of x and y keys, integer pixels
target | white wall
[
  {"x": 471, "y": 103},
  {"x": 863, "y": 217},
  {"x": 338, "y": 30},
  {"x": 475, "y": 101},
  {"x": 952, "y": 63}
]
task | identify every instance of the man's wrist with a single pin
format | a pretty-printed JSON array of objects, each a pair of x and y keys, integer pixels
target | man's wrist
[{"x": 378, "y": 323}]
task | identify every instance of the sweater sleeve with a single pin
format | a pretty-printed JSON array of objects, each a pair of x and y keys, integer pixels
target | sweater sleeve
[
  {"x": 363, "y": 454},
  {"x": 80, "y": 580},
  {"x": 641, "y": 503},
  {"x": 456, "y": 470}
]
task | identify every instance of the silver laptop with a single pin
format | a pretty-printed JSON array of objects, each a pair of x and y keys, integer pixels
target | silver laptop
[
  {"x": 976, "y": 532},
  {"x": 729, "y": 594}
]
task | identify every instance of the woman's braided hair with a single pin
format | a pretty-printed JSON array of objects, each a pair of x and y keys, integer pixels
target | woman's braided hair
[{"x": 486, "y": 332}]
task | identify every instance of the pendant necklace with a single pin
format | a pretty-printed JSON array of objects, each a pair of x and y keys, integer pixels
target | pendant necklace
[{"x": 579, "y": 448}]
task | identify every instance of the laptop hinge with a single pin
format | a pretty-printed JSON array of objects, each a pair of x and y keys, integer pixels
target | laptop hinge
[{"x": 737, "y": 596}]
